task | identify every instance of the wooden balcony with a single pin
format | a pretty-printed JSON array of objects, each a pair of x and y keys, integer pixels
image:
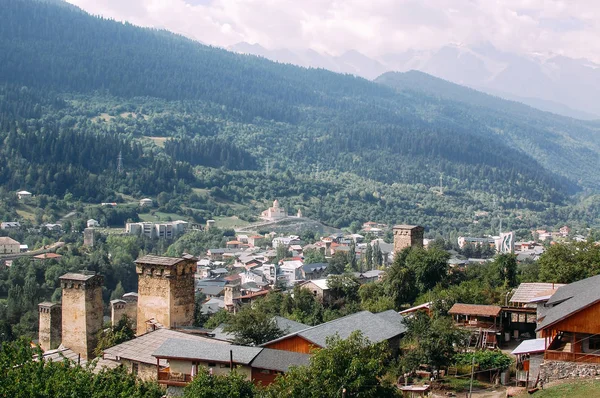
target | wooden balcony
[
  {"x": 475, "y": 324},
  {"x": 169, "y": 378},
  {"x": 566, "y": 356}
]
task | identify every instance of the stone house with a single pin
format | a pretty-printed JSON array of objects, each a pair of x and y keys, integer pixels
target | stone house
[{"x": 9, "y": 246}]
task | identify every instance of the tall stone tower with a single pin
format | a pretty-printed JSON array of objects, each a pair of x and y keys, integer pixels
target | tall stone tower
[
  {"x": 82, "y": 312},
  {"x": 50, "y": 325},
  {"x": 89, "y": 237},
  {"x": 407, "y": 236},
  {"x": 165, "y": 291}
]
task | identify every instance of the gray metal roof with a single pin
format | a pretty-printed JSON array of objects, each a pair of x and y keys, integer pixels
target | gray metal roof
[
  {"x": 141, "y": 348},
  {"x": 375, "y": 327},
  {"x": 159, "y": 260},
  {"x": 212, "y": 290},
  {"x": 528, "y": 291},
  {"x": 570, "y": 299},
  {"x": 530, "y": 346},
  {"x": 210, "y": 351},
  {"x": 279, "y": 360},
  {"x": 289, "y": 326},
  {"x": 308, "y": 268}
]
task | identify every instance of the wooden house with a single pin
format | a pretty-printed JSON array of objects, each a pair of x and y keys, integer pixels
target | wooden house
[
  {"x": 570, "y": 323},
  {"x": 483, "y": 321},
  {"x": 384, "y": 326}
]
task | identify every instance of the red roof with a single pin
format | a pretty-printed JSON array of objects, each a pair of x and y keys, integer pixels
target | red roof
[
  {"x": 234, "y": 242},
  {"x": 232, "y": 277},
  {"x": 474, "y": 309}
]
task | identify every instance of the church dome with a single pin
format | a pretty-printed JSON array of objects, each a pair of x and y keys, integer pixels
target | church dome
[{"x": 276, "y": 203}]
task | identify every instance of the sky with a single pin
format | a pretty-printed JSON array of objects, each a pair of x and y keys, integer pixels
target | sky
[{"x": 373, "y": 27}]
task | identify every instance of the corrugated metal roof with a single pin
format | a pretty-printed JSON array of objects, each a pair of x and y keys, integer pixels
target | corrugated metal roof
[
  {"x": 528, "y": 291},
  {"x": 279, "y": 360},
  {"x": 213, "y": 351},
  {"x": 530, "y": 346},
  {"x": 376, "y": 327},
  {"x": 475, "y": 309},
  {"x": 141, "y": 348}
]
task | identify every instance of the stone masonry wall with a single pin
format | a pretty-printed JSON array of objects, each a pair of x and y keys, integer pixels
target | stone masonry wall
[{"x": 557, "y": 370}]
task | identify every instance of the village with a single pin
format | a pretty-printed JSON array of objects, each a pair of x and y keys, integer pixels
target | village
[{"x": 547, "y": 329}]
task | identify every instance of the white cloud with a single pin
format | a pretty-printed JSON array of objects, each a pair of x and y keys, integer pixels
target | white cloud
[{"x": 373, "y": 27}]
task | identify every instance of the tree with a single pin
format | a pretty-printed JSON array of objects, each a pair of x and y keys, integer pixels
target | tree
[
  {"x": 313, "y": 256},
  {"x": 230, "y": 385},
  {"x": 430, "y": 340},
  {"x": 22, "y": 376},
  {"x": 567, "y": 263},
  {"x": 253, "y": 327},
  {"x": 504, "y": 270},
  {"x": 337, "y": 263},
  {"x": 353, "y": 364},
  {"x": 369, "y": 257},
  {"x": 117, "y": 334},
  {"x": 430, "y": 267}
]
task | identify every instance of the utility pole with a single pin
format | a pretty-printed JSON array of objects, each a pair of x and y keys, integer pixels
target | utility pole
[
  {"x": 442, "y": 184},
  {"x": 120, "y": 163},
  {"x": 472, "y": 373}
]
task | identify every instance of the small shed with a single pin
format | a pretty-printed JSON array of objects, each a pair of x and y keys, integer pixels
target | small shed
[
  {"x": 91, "y": 223},
  {"x": 23, "y": 195}
]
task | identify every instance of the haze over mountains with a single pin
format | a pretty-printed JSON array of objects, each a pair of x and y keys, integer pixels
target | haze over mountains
[{"x": 553, "y": 83}]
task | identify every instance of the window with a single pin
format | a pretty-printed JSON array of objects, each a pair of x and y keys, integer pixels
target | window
[
  {"x": 211, "y": 364},
  {"x": 265, "y": 371},
  {"x": 224, "y": 365},
  {"x": 594, "y": 344},
  {"x": 135, "y": 368}
]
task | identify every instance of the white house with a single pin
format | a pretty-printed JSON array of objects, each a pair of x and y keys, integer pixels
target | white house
[
  {"x": 91, "y": 223},
  {"x": 292, "y": 271},
  {"x": 10, "y": 225},
  {"x": 9, "y": 245},
  {"x": 146, "y": 202},
  {"x": 23, "y": 195}
]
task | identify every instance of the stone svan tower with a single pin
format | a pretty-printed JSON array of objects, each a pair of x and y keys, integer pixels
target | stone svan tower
[
  {"x": 127, "y": 305},
  {"x": 165, "y": 291},
  {"x": 50, "y": 325},
  {"x": 407, "y": 236},
  {"x": 82, "y": 312}
]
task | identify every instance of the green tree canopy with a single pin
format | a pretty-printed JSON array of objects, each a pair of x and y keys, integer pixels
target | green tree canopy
[{"x": 353, "y": 364}]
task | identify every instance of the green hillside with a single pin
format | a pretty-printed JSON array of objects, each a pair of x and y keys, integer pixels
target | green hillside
[
  {"x": 77, "y": 90},
  {"x": 565, "y": 146}
]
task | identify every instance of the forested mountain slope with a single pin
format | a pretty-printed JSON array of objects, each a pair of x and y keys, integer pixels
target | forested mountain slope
[
  {"x": 77, "y": 90},
  {"x": 563, "y": 145}
]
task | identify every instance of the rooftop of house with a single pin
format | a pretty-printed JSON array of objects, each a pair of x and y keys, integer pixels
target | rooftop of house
[
  {"x": 141, "y": 348},
  {"x": 212, "y": 290},
  {"x": 376, "y": 327},
  {"x": 424, "y": 306},
  {"x": 527, "y": 291},
  {"x": 285, "y": 325},
  {"x": 571, "y": 299},
  {"x": 374, "y": 273},
  {"x": 159, "y": 260},
  {"x": 530, "y": 346},
  {"x": 279, "y": 360},
  {"x": 5, "y": 240},
  {"x": 309, "y": 268},
  {"x": 320, "y": 283},
  {"x": 206, "y": 350},
  {"x": 475, "y": 309}
]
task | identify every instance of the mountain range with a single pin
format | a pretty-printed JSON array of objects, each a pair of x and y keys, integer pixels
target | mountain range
[
  {"x": 344, "y": 147},
  {"x": 552, "y": 83}
]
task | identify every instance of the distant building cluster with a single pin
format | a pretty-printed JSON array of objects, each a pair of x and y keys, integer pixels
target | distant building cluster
[{"x": 163, "y": 230}]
